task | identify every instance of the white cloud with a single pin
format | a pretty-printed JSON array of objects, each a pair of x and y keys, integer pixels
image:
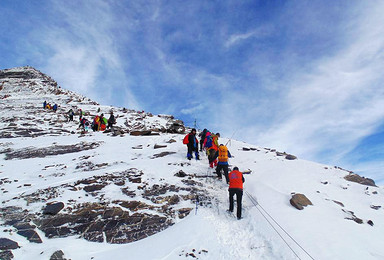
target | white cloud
[
  {"x": 260, "y": 32},
  {"x": 85, "y": 55}
]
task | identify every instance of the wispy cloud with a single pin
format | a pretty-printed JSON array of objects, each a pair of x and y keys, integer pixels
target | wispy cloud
[
  {"x": 84, "y": 56},
  {"x": 258, "y": 33}
]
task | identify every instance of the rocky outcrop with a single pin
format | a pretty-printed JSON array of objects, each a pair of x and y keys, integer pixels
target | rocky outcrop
[
  {"x": 290, "y": 157},
  {"x": 300, "y": 201},
  {"x": 53, "y": 208},
  {"x": 92, "y": 221},
  {"x": 361, "y": 180},
  {"x": 31, "y": 152},
  {"x": 6, "y": 244},
  {"x": 58, "y": 255}
]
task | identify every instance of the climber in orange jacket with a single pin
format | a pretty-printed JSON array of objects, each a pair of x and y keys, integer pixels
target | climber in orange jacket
[{"x": 236, "y": 180}]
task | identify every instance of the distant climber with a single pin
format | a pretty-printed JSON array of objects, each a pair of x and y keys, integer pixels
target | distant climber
[
  {"x": 95, "y": 123},
  {"x": 236, "y": 180},
  {"x": 111, "y": 121},
  {"x": 222, "y": 154},
  {"x": 54, "y": 108},
  {"x": 81, "y": 113},
  {"x": 102, "y": 123},
  {"x": 45, "y": 104},
  {"x": 70, "y": 115},
  {"x": 84, "y": 124},
  {"x": 192, "y": 144},
  {"x": 202, "y": 138}
]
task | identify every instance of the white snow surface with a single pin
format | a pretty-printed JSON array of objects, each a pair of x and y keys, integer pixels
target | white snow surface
[{"x": 208, "y": 232}]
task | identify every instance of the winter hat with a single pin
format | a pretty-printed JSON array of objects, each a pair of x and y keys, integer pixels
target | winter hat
[{"x": 235, "y": 169}]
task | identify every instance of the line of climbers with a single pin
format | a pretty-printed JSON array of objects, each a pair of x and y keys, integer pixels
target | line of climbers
[
  {"x": 99, "y": 122},
  {"x": 218, "y": 156}
]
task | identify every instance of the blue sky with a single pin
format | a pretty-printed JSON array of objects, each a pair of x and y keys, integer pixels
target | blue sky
[{"x": 300, "y": 76}]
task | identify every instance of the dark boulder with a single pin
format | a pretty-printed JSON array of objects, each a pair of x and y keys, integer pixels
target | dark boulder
[
  {"x": 58, "y": 255},
  {"x": 290, "y": 157},
  {"x": 53, "y": 208},
  {"x": 157, "y": 146},
  {"x": 180, "y": 174},
  {"x": 6, "y": 243}
]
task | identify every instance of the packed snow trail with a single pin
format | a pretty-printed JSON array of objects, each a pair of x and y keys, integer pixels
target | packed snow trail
[{"x": 240, "y": 239}]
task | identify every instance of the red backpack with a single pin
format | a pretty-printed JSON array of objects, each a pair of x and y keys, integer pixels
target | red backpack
[{"x": 186, "y": 139}]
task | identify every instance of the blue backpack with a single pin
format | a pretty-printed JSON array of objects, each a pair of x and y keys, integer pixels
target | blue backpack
[{"x": 208, "y": 144}]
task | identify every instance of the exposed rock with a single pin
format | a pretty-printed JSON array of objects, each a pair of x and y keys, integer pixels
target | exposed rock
[
  {"x": 353, "y": 217},
  {"x": 182, "y": 213},
  {"x": 58, "y": 255},
  {"x": 338, "y": 203},
  {"x": 361, "y": 180},
  {"x": 370, "y": 222},
  {"x": 140, "y": 133},
  {"x": 246, "y": 149},
  {"x": 171, "y": 141},
  {"x": 180, "y": 174},
  {"x": 134, "y": 205},
  {"x": 6, "y": 255},
  {"x": 53, "y": 208},
  {"x": 31, "y": 235},
  {"x": 290, "y": 157},
  {"x": 300, "y": 201},
  {"x": 375, "y": 207},
  {"x": 96, "y": 187},
  {"x": 92, "y": 221},
  {"x": 162, "y": 154},
  {"x": 157, "y": 146},
  {"x": 6, "y": 243},
  {"x": 31, "y": 152},
  {"x": 138, "y": 147}
]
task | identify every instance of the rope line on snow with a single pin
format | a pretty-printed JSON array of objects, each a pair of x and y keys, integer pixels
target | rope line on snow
[{"x": 256, "y": 203}]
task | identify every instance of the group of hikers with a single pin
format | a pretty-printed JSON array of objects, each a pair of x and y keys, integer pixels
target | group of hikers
[
  {"x": 218, "y": 156},
  {"x": 49, "y": 106},
  {"x": 99, "y": 122}
]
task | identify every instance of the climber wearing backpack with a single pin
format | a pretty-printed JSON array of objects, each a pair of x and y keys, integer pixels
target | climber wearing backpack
[
  {"x": 212, "y": 146},
  {"x": 222, "y": 154},
  {"x": 192, "y": 144},
  {"x": 95, "y": 123},
  {"x": 111, "y": 121},
  {"x": 202, "y": 138},
  {"x": 70, "y": 114},
  {"x": 236, "y": 180}
]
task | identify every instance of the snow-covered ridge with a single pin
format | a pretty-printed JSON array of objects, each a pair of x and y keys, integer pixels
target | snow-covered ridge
[
  {"x": 90, "y": 195},
  {"x": 23, "y": 91}
]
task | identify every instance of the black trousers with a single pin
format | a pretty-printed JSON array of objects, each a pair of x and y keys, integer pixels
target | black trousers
[
  {"x": 239, "y": 197},
  {"x": 223, "y": 167},
  {"x": 192, "y": 149}
]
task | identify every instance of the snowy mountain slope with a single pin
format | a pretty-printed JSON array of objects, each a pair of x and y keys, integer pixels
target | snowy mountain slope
[{"x": 118, "y": 189}]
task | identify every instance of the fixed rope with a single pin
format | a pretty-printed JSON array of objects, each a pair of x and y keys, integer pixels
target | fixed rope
[{"x": 259, "y": 208}]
